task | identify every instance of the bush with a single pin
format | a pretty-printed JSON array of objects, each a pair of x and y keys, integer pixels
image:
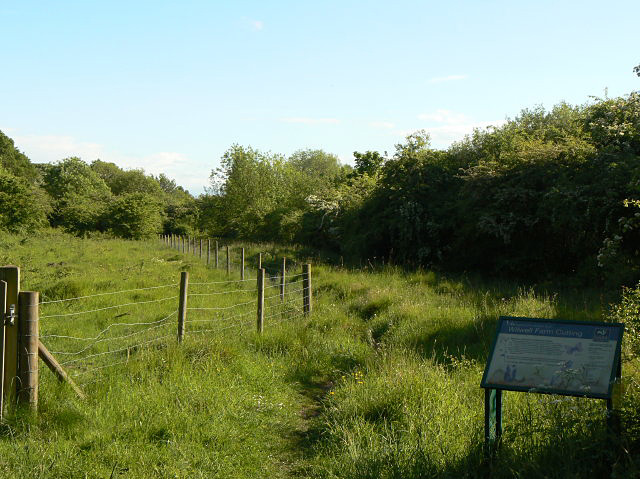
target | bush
[{"x": 628, "y": 312}]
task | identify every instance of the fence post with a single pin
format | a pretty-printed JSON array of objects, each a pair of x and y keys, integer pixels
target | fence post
[
  {"x": 10, "y": 275},
  {"x": 306, "y": 289},
  {"x": 283, "y": 279},
  {"x": 188, "y": 243},
  {"x": 260, "y": 322},
  {"x": 200, "y": 248},
  {"x": 259, "y": 260},
  {"x": 182, "y": 305},
  {"x": 183, "y": 245},
  {"x": 208, "y": 251},
  {"x": 228, "y": 262},
  {"x": 3, "y": 308},
  {"x": 28, "y": 316},
  {"x": 242, "y": 264},
  {"x": 217, "y": 255}
]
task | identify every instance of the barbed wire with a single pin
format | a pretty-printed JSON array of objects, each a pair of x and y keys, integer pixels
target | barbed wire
[
  {"x": 106, "y": 294},
  {"x": 114, "y": 351},
  {"x": 86, "y": 348},
  {"x": 286, "y": 294},
  {"x": 107, "y": 307},
  {"x": 229, "y": 318},
  {"x": 223, "y": 282},
  {"x": 221, "y": 308},
  {"x": 279, "y": 284},
  {"x": 60, "y": 336},
  {"x": 282, "y": 303},
  {"x": 193, "y": 331},
  {"x": 223, "y": 292}
]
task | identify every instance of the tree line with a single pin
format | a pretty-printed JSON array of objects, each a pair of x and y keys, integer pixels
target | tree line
[{"x": 546, "y": 194}]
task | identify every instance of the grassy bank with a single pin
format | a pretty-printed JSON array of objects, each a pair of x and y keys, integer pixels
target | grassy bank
[{"x": 382, "y": 381}]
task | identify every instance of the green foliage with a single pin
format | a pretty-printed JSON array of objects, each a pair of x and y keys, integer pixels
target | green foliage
[
  {"x": 80, "y": 196},
  {"x": 368, "y": 162},
  {"x": 126, "y": 181},
  {"x": 22, "y": 206},
  {"x": 627, "y": 311},
  {"x": 14, "y": 161},
  {"x": 135, "y": 216},
  {"x": 614, "y": 124}
]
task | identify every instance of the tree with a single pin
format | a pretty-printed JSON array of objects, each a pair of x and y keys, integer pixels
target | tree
[
  {"x": 14, "y": 161},
  {"x": 126, "y": 181},
  {"x": 135, "y": 216},
  {"x": 251, "y": 184},
  {"x": 369, "y": 162},
  {"x": 80, "y": 197},
  {"x": 22, "y": 206}
]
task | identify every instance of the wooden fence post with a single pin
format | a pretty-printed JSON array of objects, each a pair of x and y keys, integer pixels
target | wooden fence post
[
  {"x": 11, "y": 275},
  {"x": 182, "y": 305},
  {"x": 306, "y": 289},
  {"x": 217, "y": 255},
  {"x": 208, "y": 251},
  {"x": 260, "y": 322},
  {"x": 200, "y": 248},
  {"x": 228, "y": 262},
  {"x": 188, "y": 244},
  {"x": 242, "y": 264},
  {"x": 3, "y": 308},
  {"x": 183, "y": 245},
  {"x": 52, "y": 363},
  {"x": 28, "y": 317},
  {"x": 259, "y": 260},
  {"x": 283, "y": 278}
]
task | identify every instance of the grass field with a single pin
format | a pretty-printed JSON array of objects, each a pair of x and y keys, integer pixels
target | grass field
[{"x": 382, "y": 381}]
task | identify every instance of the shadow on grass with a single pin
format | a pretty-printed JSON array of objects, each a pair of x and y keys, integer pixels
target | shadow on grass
[{"x": 471, "y": 341}]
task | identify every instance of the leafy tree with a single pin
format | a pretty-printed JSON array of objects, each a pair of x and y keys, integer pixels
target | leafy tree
[
  {"x": 251, "y": 184},
  {"x": 15, "y": 162},
  {"x": 126, "y": 181},
  {"x": 80, "y": 196},
  {"x": 135, "y": 216},
  {"x": 22, "y": 206},
  {"x": 368, "y": 162}
]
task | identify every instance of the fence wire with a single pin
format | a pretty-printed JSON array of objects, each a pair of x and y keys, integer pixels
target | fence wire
[{"x": 109, "y": 335}]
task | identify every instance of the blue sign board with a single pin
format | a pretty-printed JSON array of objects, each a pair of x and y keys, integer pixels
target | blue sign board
[{"x": 552, "y": 356}]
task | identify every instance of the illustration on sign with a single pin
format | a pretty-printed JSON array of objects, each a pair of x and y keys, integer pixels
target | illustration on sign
[{"x": 563, "y": 357}]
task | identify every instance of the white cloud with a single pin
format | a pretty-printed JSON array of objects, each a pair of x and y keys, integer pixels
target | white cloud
[
  {"x": 252, "y": 24},
  {"x": 52, "y": 148},
  {"x": 444, "y": 116},
  {"x": 448, "y": 78},
  {"x": 387, "y": 125},
  {"x": 311, "y": 121},
  {"x": 447, "y": 126}
]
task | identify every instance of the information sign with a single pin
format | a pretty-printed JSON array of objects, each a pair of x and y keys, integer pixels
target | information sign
[{"x": 552, "y": 356}]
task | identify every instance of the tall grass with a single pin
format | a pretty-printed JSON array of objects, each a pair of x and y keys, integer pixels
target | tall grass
[{"x": 382, "y": 380}]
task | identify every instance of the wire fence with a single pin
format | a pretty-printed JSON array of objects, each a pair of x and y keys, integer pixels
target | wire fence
[{"x": 93, "y": 335}]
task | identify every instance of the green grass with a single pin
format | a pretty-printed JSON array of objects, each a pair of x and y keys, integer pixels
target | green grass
[{"x": 381, "y": 382}]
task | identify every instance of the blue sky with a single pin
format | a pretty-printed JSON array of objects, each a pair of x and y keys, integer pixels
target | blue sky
[{"x": 169, "y": 86}]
